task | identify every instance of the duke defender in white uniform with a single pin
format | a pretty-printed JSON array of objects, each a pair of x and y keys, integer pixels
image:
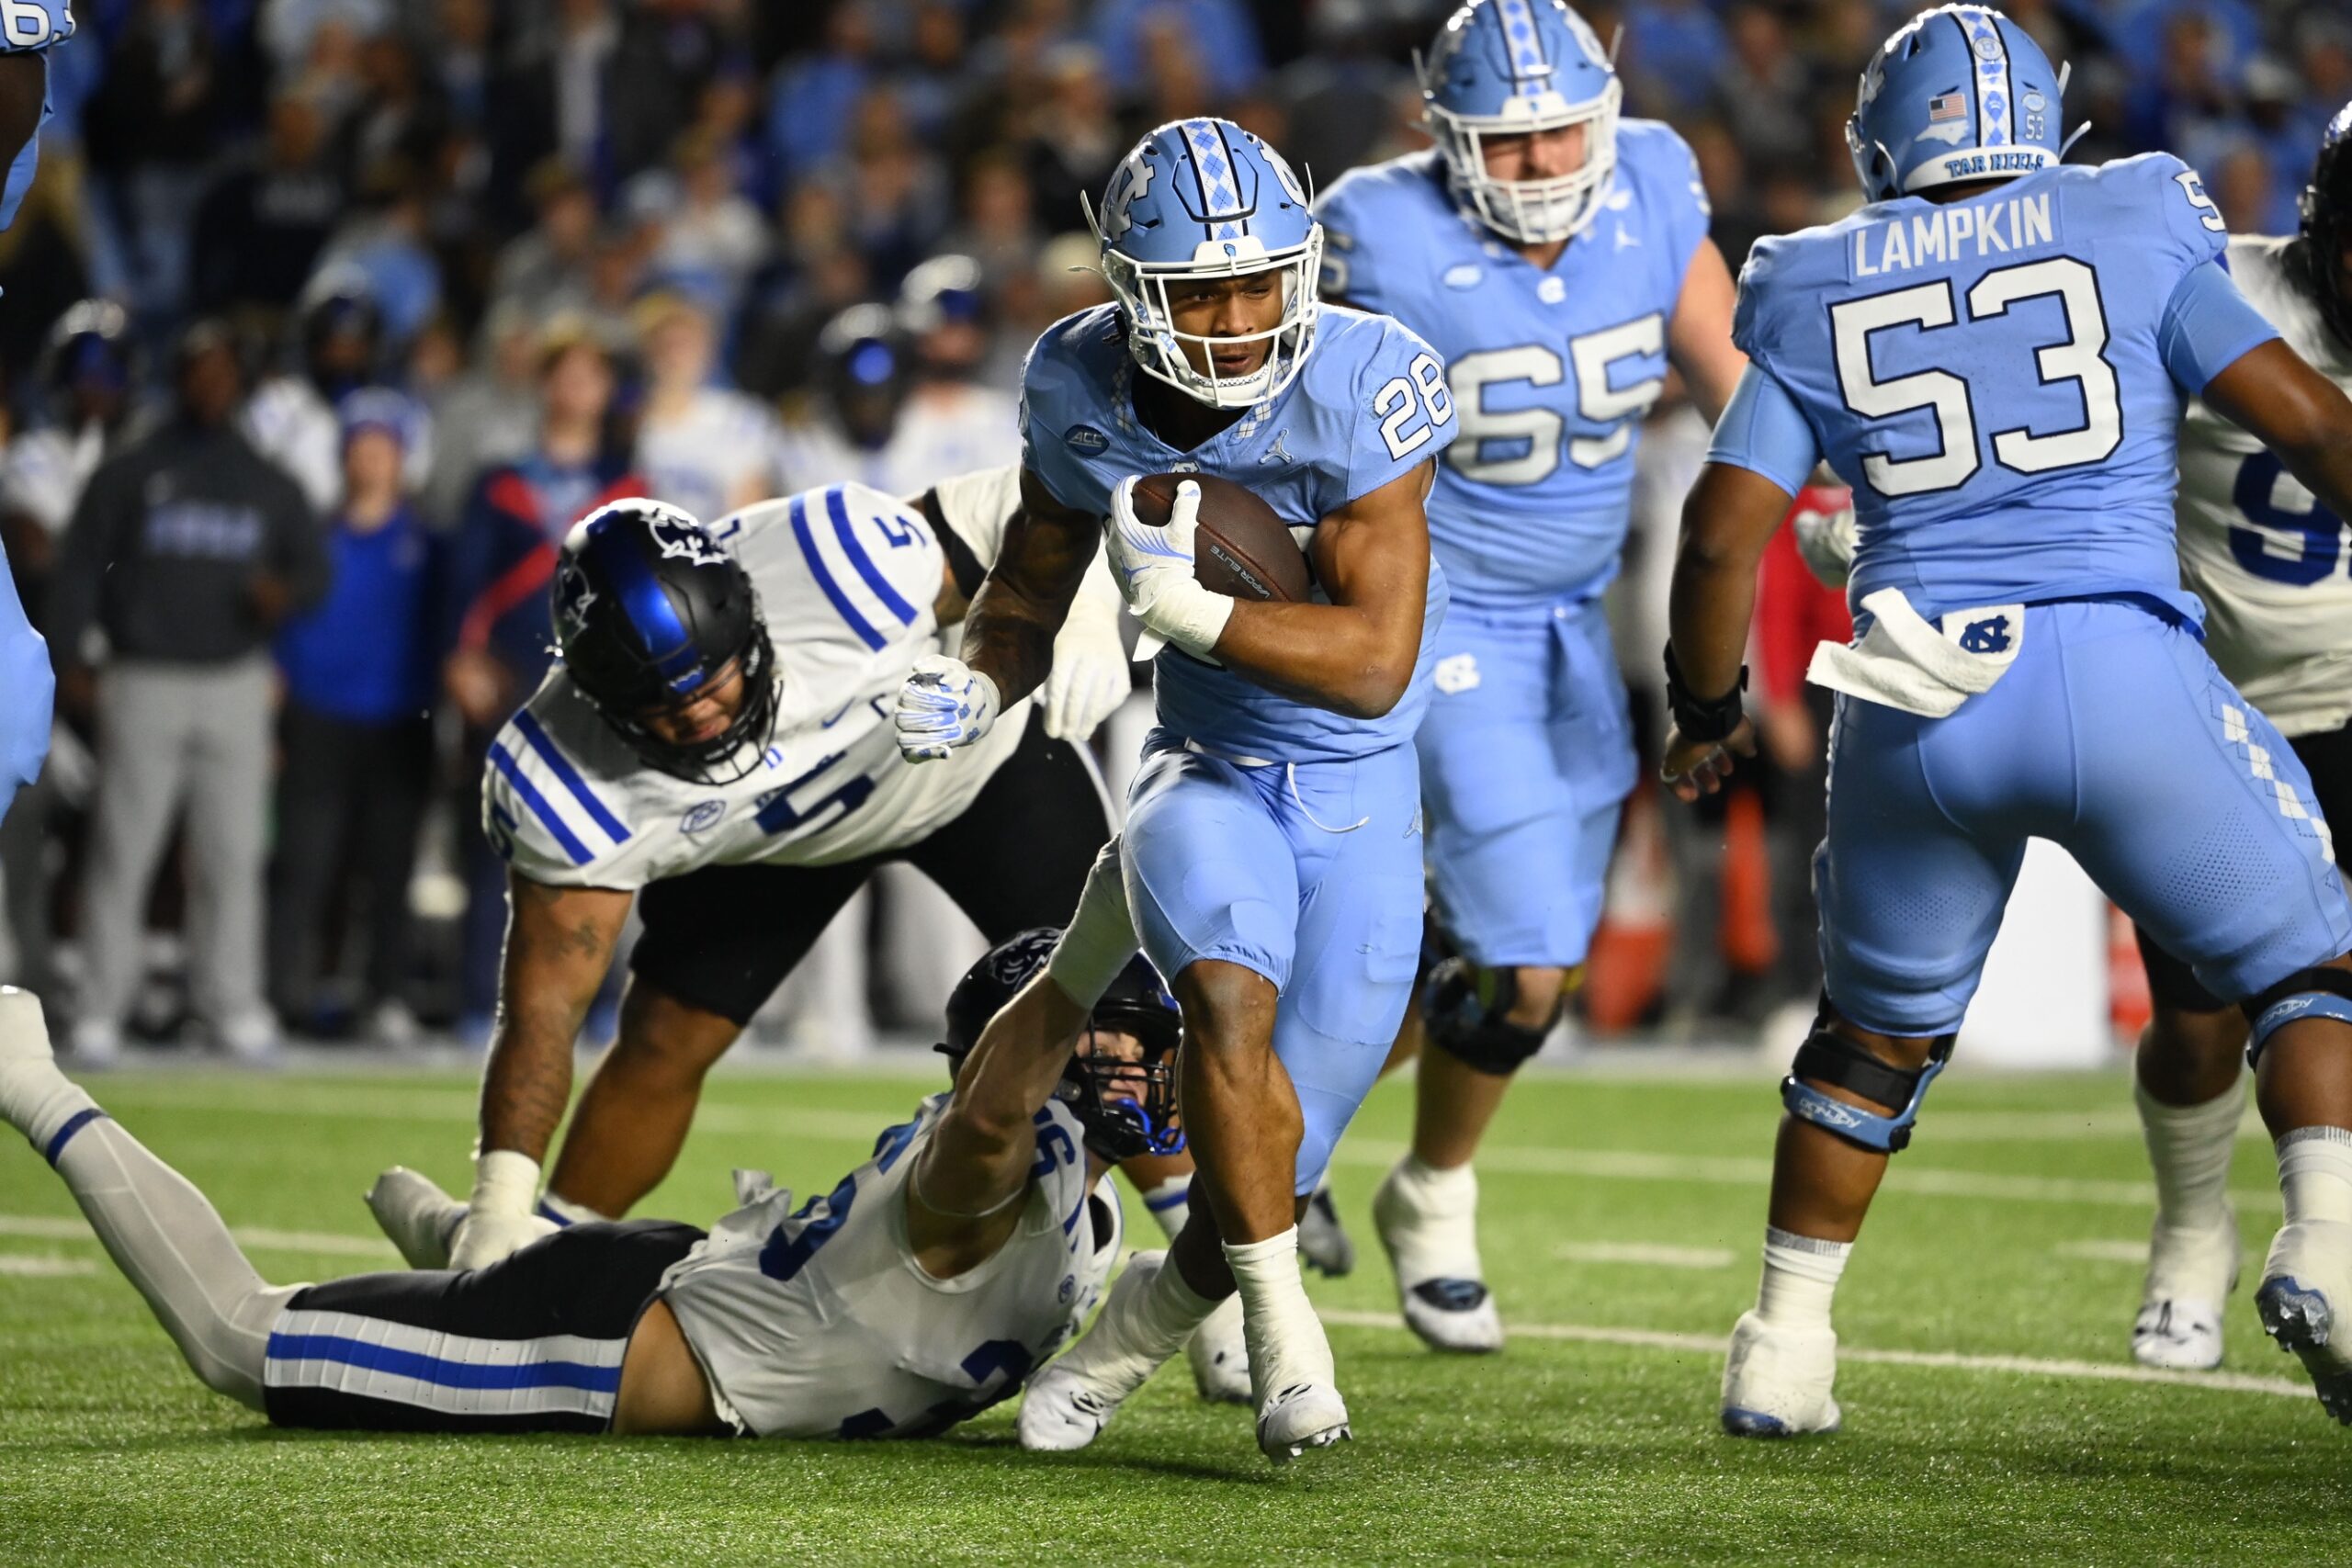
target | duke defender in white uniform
[
  {"x": 918, "y": 1291},
  {"x": 716, "y": 746},
  {"x": 1558, "y": 260}
]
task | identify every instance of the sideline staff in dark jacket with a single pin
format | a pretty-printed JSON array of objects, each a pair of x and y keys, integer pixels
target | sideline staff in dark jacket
[{"x": 186, "y": 550}]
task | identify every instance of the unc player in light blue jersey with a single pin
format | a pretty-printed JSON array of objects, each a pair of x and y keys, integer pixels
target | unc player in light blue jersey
[
  {"x": 1272, "y": 858},
  {"x": 1558, "y": 259},
  {"x": 28, "y": 29},
  {"x": 1995, "y": 353}
]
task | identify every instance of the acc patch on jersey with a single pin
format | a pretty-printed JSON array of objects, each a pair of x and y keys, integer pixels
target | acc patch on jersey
[
  {"x": 1087, "y": 439},
  {"x": 703, "y": 816}
]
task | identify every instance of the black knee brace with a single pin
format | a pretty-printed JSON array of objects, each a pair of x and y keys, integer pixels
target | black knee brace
[
  {"x": 1465, "y": 1005},
  {"x": 1829, "y": 1058},
  {"x": 2308, "y": 993}
]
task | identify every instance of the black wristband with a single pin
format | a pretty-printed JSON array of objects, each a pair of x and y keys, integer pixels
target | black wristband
[{"x": 1702, "y": 719}]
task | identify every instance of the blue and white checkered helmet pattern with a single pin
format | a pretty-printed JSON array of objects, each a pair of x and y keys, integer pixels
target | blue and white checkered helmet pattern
[
  {"x": 1202, "y": 199},
  {"x": 1958, "y": 93},
  {"x": 1507, "y": 68}
]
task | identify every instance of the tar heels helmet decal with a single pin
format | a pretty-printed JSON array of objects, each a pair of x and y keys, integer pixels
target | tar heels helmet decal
[
  {"x": 1507, "y": 68},
  {"x": 1200, "y": 199},
  {"x": 1959, "y": 93}
]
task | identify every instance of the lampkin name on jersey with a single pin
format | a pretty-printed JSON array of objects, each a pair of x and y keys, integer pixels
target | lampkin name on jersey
[{"x": 2016, "y": 224}]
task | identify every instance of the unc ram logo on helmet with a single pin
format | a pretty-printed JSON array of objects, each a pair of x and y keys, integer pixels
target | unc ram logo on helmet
[{"x": 1204, "y": 199}]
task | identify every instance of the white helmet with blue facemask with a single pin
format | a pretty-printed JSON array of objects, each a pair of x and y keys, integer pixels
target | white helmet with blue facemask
[
  {"x": 1510, "y": 68},
  {"x": 1200, "y": 199},
  {"x": 1959, "y": 93}
]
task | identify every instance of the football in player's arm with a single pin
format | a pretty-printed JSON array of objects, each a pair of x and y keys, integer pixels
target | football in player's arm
[{"x": 652, "y": 1328}]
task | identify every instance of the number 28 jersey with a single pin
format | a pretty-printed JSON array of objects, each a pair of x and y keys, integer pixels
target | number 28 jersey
[
  {"x": 2267, "y": 558},
  {"x": 846, "y": 578},
  {"x": 1553, "y": 370},
  {"x": 1994, "y": 378}
]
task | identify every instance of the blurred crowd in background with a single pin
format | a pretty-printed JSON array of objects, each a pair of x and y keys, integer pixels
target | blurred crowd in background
[{"x": 326, "y": 318}]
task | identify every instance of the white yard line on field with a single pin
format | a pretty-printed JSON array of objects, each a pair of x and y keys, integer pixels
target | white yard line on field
[
  {"x": 69, "y": 1227},
  {"x": 457, "y": 1109},
  {"x": 1647, "y": 1256},
  {"x": 1711, "y": 1347},
  {"x": 2101, "y": 1250},
  {"x": 39, "y": 1266}
]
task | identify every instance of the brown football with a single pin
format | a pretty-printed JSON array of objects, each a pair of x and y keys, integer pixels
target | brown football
[{"x": 1243, "y": 550}]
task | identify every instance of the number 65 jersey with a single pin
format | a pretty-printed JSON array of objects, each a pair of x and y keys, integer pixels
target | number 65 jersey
[
  {"x": 1999, "y": 377},
  {"x": 1553, "y": 370},
  {"x": 847, "y": 579},
  {"x": 2269, "y": 559}
]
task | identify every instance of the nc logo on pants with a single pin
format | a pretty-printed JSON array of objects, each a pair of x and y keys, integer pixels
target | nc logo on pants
[
  {"x": 1456, "y": 672},
  {"x": 1985, "y": 637}
]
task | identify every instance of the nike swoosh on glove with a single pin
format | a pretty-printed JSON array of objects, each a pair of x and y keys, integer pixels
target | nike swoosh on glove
[{"x": 944, "y": 703}]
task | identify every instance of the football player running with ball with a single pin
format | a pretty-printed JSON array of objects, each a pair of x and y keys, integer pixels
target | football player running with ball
[
  {"x": 738, "y": 785},
  {"x": 972, "y": 1244},
  {"x": 1272, "y": 847},
  {"x": 2267, "y": 560},
  {"x": 1558, "y": 258},
  {"x": 1995, "y": 353}
]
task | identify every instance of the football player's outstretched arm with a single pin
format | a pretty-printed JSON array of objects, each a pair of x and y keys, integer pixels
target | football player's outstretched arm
[
  {"x": 1698, "y": 341},
  {"x": 559, "y": 945},
  {"x": 1730, "y": 516},
  {"x": 2270, "y": 392},
  {"x": 1356, "y": 655}
]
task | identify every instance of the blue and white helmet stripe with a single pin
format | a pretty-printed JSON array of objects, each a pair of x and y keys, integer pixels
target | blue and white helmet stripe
[
  {"x": 1203, "y": 199},
  {"x": 1959, "y": 93},
  {"x": 1510, "y": 68}
]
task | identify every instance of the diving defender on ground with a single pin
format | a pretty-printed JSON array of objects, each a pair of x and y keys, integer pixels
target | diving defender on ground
[
  {"x": 2267, "y": 558},
  {"x": 1995, "y": 353},
  {"x": 1272, "y": 847},
  {"x": 738, "y": 786},
  {"x": 972, "y": 1244},
  {"x": 1558, "y": 259}
]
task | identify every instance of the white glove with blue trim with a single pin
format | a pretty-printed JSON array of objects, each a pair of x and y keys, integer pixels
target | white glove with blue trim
[
  {"x": 1153, "y": 568},
  {"x": 944, "y": 703}
]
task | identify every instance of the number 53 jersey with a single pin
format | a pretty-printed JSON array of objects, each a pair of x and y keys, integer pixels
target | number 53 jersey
[
  {"x": 2269, "y": 559},
  {"x": 1553, "y": 369},
  {"x": 847, "y": 579},
  {"x": 1999, "y": 378}
]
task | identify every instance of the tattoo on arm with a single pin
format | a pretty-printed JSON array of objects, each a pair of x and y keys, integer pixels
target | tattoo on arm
[
  {"x": 1009, "y": 630},
  {"x": 558, "y": 945}
]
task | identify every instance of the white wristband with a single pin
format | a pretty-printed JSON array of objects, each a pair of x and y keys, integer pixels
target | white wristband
[
  {"x": 1187, "y": 615},
  {"x": 506, "y": 1182}
]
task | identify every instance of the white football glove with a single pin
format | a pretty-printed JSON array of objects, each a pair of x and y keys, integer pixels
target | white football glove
[
  {"x": 1090, "y": 677},
  {"x": 1826, "y": 540},
  {"x": 1153, "y": 568},
  {"x": 500, "y": 1219},
  {"x": 944, "y": 703}
]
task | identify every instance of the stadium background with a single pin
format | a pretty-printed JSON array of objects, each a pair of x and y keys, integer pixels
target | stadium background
[{"x": 505, "y": 182}]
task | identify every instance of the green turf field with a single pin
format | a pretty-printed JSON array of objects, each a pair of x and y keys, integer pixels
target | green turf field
[{"x": 1992, "y": 1295}]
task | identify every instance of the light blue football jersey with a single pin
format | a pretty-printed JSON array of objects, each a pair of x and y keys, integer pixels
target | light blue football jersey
[
  {"x": 30, "y": 26},
  {"x": 1991, "y": 377},
  {"x": 1369, "y": 404},
  {"x": 1554, "y": 371}
]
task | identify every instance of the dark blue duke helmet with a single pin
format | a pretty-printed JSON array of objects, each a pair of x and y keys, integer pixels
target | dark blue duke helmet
[
  {"x": 650, "y": 610},
  {"x": 1137, "y": 1004},
  {"x": 2327, "y": 226}
]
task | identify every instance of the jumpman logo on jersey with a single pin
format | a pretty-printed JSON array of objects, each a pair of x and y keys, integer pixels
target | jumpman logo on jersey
[
  {"x": 1987, "y": 636},
  {"x": 1278, "y": 453}
]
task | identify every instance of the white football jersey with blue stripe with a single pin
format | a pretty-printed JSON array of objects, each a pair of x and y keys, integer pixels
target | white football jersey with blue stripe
[
  {"x": 847, "y": 577},
  {"x": 817, "y": 1322},
  {"x": 2267, "y": 558}
]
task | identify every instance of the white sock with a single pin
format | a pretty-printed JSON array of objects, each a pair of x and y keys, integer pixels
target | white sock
[
  {"x": 1800, "y": 1279},
  {"x": 1436, "y": 1236},
  {"x": 564, "y": 1211},
  {"x": 1169, "y": 1204},
  {"x": 1139, "y": 1329},
  {"x": 2189, "y": 1148},
  {"x": 1286, "y": 1342},
  {"x": 2315, "y": 1175},
  {"x": 171, "y": 1244}
]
